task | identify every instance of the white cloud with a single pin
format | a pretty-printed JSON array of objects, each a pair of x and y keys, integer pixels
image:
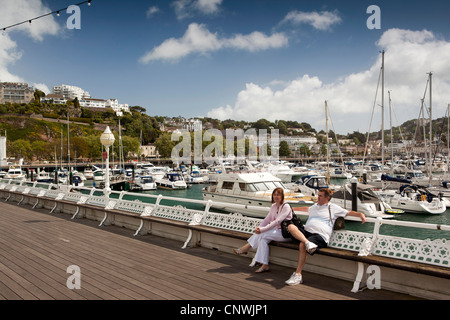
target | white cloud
[
  {"x": 410, "y": 55},
  {"x": 319, "y": 20},
  {"x": 8, "y": 55},
  {"x": 208, "y": 6},
  {"x": 152, "y": 11},
  {"x": 188, "y": 8},
  {"x": 198, "y": 39},
  {"x": 43, "y": 87},
  {"x": 13, "y": 12}
]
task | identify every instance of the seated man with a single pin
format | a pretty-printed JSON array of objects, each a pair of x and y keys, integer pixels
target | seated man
[{"x": 317, "y": 231}]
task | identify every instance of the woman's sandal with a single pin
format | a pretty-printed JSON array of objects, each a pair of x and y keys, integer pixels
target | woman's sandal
[
  {"x": 239, "y": 251},
  {"x": 262, "y": 269}
]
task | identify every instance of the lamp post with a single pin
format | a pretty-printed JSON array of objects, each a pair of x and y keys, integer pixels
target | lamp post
[{"x": 107, "y": 140}]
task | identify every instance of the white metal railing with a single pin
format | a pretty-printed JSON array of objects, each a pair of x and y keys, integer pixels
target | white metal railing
[{"x": 435, "y": 252}]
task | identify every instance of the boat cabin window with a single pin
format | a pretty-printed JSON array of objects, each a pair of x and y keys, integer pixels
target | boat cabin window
[
  {"x": 174, "y": 177},
  {"x": 270, "y": 185},
  {"x": 261, "y": 186},
  {"x": 242, "y": 186},
  {"x": 317, "y": 183},
  {"x": 228, "y": 185}
]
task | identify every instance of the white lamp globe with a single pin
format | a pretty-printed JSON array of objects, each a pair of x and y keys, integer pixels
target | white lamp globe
[{"x": 107, "y": 138}]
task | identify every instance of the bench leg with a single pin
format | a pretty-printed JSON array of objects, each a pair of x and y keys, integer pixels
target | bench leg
[
  {"x": 104, "y": 219},
  {"x": 36, "y": 203},
  {"x": 108, "y": 219},
  {"x": 75, "y": 214},
  {"x": 188, "y": 239},
  {"x": 56, "y": 204}
]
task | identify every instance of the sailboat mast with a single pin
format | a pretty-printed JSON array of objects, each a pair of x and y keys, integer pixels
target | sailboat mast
[
  {"x": 448, "y": 134},
  {"x": 328, "y": 143},
  {"x": 382, "y": 112},
  {"x": 392, "y": 136},
  {"x": 431, "y": 132},
  {"x": 68, "y": 141}
]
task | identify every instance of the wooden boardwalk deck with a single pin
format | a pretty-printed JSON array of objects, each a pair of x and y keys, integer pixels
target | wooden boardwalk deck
[{"x": 36, "y": 249}]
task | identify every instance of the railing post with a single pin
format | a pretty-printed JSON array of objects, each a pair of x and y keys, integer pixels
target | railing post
[
  {"x": 157, "y": 203},
  {"x": 368, "y": 245}
]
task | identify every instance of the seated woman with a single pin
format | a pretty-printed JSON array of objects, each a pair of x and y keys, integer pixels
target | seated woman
[{"x": 269, "y": 230}]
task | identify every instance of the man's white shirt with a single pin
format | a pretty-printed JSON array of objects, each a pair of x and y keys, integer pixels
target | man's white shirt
[{"x": 319, "y": 219}]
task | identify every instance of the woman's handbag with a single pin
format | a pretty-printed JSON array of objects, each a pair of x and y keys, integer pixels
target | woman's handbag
[
  {"x": 339, "y": 223},
  {"x": 285, "y": 224}
]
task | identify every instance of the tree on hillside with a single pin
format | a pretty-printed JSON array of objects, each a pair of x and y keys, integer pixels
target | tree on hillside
[
  {"x": 21, "y": 149},
  {"x": 285, "y": 151},
  {"x": 164, "y": 145},
  {"x": 262, "y": 124}
]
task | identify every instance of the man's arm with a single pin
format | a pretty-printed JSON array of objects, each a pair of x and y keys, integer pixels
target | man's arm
[{"x": 358, "y": 215}]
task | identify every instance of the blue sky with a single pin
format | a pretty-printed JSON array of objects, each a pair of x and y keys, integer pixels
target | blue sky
[{"x": 243, "y": 60}]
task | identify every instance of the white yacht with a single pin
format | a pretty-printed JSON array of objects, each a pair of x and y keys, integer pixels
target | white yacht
[
  {"x": 197, "y": 175},
  {"x": 414, "y": 199},
  {"x": 310, "y": 185},
  {"x": 157, "y": 172},
  {"x": 145, "y": 183},
  {"x": 284, "y": 173},
  {"x": 249, "y": 189},
  {"x": 44, "y": 176},
  {"x": 171, "y": 181},
  {"x": 367, "y": 201},
  {"x": 88, "y": 173},
  {"x": 99, "y": 175},
  {"x": 339, "y": 173},
  {"x": 15, "y": 173}
]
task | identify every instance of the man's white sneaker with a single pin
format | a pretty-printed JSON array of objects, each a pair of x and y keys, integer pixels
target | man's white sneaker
[
  {"x": 294, "y": 279},
  {"x": 310, "y": 247}
]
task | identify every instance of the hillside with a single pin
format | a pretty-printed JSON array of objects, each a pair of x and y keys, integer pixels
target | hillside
[{"x": 35, "y": 130}]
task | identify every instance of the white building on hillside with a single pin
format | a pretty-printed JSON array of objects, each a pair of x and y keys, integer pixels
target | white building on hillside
[
  {"x": 93, "y": 103},
  {"x": 54, "y": 98},
  {"x": 117, "y": 107},
  {"x": 71, "y": 92}
]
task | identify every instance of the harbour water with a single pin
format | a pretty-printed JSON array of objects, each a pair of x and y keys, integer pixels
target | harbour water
[{"x": 195, "y": 192}]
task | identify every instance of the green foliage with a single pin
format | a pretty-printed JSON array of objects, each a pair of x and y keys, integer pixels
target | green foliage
[
  {"x": 34, "y": 130},
  {"x": 284, "y": 149},
  {"x": 164, "y": 145}
]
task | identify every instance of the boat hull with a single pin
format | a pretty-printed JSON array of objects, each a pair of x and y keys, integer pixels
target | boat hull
[{"x": 253, "y": 207}]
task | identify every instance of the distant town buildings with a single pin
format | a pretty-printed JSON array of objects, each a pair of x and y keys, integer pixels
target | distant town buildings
[
  {"x": 71, "y": 92},
  {"x": 16, "y": 92},
  {"x": 149, "y": 151},
  {"x": 63, "y": 93}
]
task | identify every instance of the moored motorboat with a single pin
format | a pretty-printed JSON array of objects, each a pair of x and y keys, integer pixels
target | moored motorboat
[
  {"x": 413, "y": 198},
  {"x": 171, "y": 181},
  {"x": 144, "y": 183},
  {"x": 15, "y": 173},
  {"x": 250, "y": 189},
  {"x": 367, "y": 201}
]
